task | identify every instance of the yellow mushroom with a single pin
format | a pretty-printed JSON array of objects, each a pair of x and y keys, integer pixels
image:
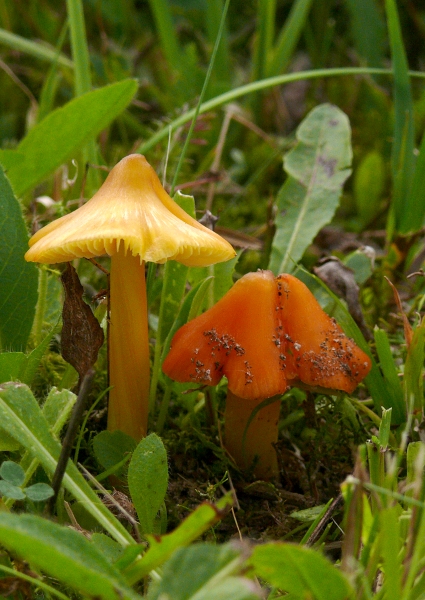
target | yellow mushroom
[{"x": 132, "y": 219}]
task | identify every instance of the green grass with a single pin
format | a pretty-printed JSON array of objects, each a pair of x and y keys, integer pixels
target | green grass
[{"x": 298, "y": 124}]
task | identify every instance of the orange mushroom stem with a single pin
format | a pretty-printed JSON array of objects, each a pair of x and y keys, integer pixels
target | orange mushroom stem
[
  {"x": 132, "y": 219},
  {"x": 265, "y": 335}
]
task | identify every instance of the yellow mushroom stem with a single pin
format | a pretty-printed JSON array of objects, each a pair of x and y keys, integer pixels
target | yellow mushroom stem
[
  {"x": 262, "y": 433},
  {"x": 129, "y": 368}
]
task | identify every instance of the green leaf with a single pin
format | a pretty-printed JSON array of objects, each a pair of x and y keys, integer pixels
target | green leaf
[
  {"x": 107, "y": 546},
  {"x": 111, "y": 447},
  {"x": 18, "y": 279},
  {"x": 210, "y": 569},
  {"x": 388, "y": 368},
  {"x": 8, "y": 490},
  {"x": 413, "y": 371},
  {"x": 12, "y": 365},
  {"x": 12, "y": 473},
  {"x": 17, "y": 366},
  {"x": 317, "y": 168},
  {"x": 148, "y": 480},
  {"x": 63, "y": 554},
  {"x": 39, "y": 492},
  {"x": 368, "y": 30},
  {"x": 300, "y": 571},
  {"x": 57, "y": 408},
  {"x": 7, "y": 443},
  {"x": 21, "y": 417},
  {"x": 161, "y": 548},
  {"x": 403, "y": 158},
  {"x": 58, "y": 137},
  {"x": 369, "y": 182}
]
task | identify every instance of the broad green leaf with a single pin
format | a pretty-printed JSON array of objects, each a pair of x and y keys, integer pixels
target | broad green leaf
[
  {"x": 12, "y": 472},
  {"x": 57, "y": 137},
  {"x": 148, "y": 480},
  {"x": 107, "y": 546},
  {"x": 317, "y": 168},
  {"x": 8, "y": 490},
  {"x": 21, "y": 417},
  {"x": 64, "y": 554},
  {"x": 18, "y": 279},
  {"x": 211, "y": 570},
  {"x": 303, "y": 572},
  {"x": 161, "y": 548},
  {"x": 39, "y": 492},
  {"x": 111, "y": 447},
  {"x": 57, "y": 408}
]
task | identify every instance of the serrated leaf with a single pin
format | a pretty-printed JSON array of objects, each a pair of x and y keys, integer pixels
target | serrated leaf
[
  {"x": 300, "y": 571},
  {"x": 21, "y": 417},
  {"x": 18, "y": 279},
  {"x": 317, "y": 168},
  {"x": 56, "y": 138},
  {"x": 148, "y": 480},
  {"x": 12, "y": 472},
  {"x": 63, "y": 554},
  {"x": 39, "y": 492}
]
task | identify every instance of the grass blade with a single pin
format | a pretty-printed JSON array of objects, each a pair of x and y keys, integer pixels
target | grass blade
[
  {"x": 289, "y": 37},
  {"x": 404, "y": 135},
  {"x": 40, "y": 51},
  {"x": 256, "y": 86}
]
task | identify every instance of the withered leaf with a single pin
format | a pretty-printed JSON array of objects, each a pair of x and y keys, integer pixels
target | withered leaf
[{"x": 82, "y": 336}]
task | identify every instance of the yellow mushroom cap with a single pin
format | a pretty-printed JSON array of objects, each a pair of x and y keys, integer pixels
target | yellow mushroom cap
[{"x": 133, "y": 209}]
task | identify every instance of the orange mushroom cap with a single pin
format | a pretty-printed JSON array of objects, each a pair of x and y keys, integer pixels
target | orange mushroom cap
[{"x": 264, "y": 335}]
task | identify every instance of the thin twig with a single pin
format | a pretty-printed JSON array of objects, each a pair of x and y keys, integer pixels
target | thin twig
[
  {"x": 71, "y": 432},
  {"x": 317, "y": 532}
]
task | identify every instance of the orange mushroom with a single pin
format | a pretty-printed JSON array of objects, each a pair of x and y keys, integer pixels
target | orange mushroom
[
  {"x": 265, "y": 335},
  {"x": 132, "y": 219}
]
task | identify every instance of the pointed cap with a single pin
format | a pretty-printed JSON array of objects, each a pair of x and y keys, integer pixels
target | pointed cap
[{"x": 131, "y": 210}]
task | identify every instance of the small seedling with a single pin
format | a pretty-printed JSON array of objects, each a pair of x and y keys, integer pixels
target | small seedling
[{"x": 12, "y": 484}]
